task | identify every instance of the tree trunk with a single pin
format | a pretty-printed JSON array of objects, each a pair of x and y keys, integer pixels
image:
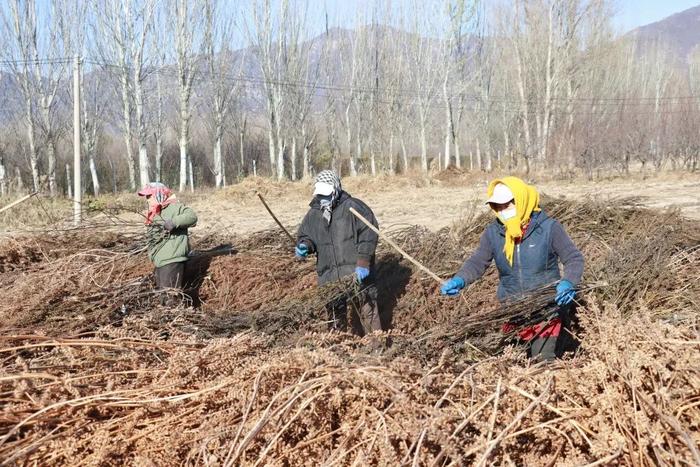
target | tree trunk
[
  {"x": 93, "y": 173},
  {"x": 68, "y": 182},
  {"x": 183, "y": 159},
  {"x": 184, "y": 137},
  {"x": 241, "y": 148},
  {"x": 305, "y": 161},
  {"x": 458, "y": 156},
  {"x": 126, "y": 107},
  {"x": 404, "y": 154},
  {"x": 223, "y": 170},
  {"x": 3, "y": 180},
  {"x": 358, "y": 149},
  {"x": 50, "y": 145},
  {"x": 478, "y": 155},
  {"x": 524, "y": 105},
  {"x": 489, "y": 162},
  {"x": 282, "y": 146},
  {"x": 218, "y": 160},
  {"x": 449, "y": 129},
  {"x": 159, "y": 157},
  {"x": 51, "y": 166},
  {"x": 423, "y": 147},
  {"x": 271, "y": 145},
  {"x": 506, "y": 136},
  {"x": 18, "y": 177},
  {"x": 141, "y": 134},
  {"x": 33, "y": 157},
  {"x": 353, "y": 161},
  {"x": 372, "y": 156},
  {"x": 390, "y": 167},
  {"x": 293, "y": 156},
  {"x": 159, "y": 130},
  {"x": 144, "y": 165},
  {"x": 191, "y": 173}
]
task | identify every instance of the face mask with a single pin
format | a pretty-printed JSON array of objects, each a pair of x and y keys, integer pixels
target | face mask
[
  {"x": 325, "y": 200},
  {"x": 507, "y": 214}
]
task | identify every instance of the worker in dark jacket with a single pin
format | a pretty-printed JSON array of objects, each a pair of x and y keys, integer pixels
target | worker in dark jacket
[
  {"x": 527, "y": 246},
  {"x": 344, "y": 246},
  {"x": 167, "y": 221}
]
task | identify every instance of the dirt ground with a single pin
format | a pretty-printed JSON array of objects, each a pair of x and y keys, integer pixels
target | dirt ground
[
  {"x": 416, "y": 201},
  {"x": 398, "y": 201}
]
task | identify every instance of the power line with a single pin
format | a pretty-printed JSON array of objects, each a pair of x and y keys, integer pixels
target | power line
[
  {"x": 494, "y": 103},
  {"x": 386, "y": 90},
  {"x": 416, "y": 92}
]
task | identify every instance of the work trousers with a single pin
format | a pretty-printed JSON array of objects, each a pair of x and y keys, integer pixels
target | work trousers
[
  {"x": 363, "y": 310},
  {"x": 547, "y": 348},
  {"x": 170, "y": 276}
]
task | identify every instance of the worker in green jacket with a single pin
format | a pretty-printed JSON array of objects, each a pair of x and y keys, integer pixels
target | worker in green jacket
[{"x": 167, "y": 222}]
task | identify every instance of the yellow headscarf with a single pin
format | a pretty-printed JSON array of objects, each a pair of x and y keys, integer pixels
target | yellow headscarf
[{"x": 527, "y": 201}]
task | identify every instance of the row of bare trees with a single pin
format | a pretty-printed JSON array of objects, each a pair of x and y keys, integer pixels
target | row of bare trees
[{"x": 206, "y": 91}]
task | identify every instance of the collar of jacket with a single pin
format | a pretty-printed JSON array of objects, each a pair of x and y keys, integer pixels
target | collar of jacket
[
  {"x": 535, "y": 220},
  {"x": 316, "y": 204}
]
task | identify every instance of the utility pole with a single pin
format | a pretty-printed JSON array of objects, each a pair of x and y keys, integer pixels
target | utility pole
[{"x": 77, "y": 191}]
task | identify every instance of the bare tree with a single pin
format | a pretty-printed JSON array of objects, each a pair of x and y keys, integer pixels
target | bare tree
[
  {"x": 37, "y": 55},
  {"x": 189, "y": 19},
  {"x": 277, "y": 44},
  {"x": 225, "y": 87},
  {"x": 93, "y": 101},
  {"x": 157, "y": 117},
  {"x": 423, "y": 72},
  {"x": 350, "y": 69},
  {"x": 305, "y": 70},
  {"x": 122, "y": 31},
  {"x": 462, "y": 16}
]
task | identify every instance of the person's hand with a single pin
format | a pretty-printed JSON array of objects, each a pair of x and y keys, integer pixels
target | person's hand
[
  {"x": 361, "y": 273},
  {"x": 169, "y": 225},
  {"x": 301, "y": 250},
  {"x": 452, "y": 286},
  {"x": 565, "y": 292}
]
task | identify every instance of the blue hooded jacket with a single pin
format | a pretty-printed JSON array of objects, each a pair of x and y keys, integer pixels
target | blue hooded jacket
[{"x": 536, "y": 258}]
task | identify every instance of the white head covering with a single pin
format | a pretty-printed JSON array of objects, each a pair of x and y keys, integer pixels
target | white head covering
[
  {"x": 501, "y": 194},
  {"x": 327, "y": 183}
]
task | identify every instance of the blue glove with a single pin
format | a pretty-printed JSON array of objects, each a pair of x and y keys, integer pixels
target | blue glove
[
  {"x": 452, "y": 286},
  {"x": 361, "y": 273},
  {"x": 565, "y": 292},
  {"x": 301, "y": 250}
]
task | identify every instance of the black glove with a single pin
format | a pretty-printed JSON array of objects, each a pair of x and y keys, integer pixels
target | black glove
[{"x": 169, "y": 226}]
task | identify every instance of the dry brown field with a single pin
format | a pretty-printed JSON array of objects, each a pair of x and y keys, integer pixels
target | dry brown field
[{"x": 96, "y": 372}]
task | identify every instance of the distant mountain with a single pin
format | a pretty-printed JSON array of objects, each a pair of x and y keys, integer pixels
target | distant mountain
[{"x": 679, "y": 32}]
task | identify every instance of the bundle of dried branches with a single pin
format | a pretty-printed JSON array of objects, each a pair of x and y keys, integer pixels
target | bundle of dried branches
[
  {"x": 113, "y": 399},
  {"x": 95, "y": 371}
]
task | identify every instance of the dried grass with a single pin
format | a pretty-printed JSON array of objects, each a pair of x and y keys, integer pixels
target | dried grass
[{"x": 95, "y": 372}]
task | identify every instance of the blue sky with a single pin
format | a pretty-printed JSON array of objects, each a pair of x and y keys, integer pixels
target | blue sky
[
  {"x": 633, "y": 13},
  {"x": 630, "y": 13}
]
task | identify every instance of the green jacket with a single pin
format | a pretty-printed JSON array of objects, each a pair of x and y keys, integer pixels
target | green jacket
[{"x": 163, "y": 247}]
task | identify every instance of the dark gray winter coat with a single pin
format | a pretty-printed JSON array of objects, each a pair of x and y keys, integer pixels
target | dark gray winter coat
[
  {"x": 342, "y": 245},
  {"x": 535, "y": 261}
]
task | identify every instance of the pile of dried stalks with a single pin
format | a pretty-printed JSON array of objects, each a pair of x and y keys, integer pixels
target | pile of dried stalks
[{"x": 96, "y": 372}]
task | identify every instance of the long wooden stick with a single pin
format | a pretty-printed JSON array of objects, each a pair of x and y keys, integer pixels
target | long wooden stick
[
  {"x": 396, "y": 247},
  {"x": 15, "y": 203},
  {"x": 275, "y": 218}
]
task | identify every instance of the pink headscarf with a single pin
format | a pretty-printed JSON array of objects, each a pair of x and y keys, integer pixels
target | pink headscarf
[{"x": 163, "y": 196}]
